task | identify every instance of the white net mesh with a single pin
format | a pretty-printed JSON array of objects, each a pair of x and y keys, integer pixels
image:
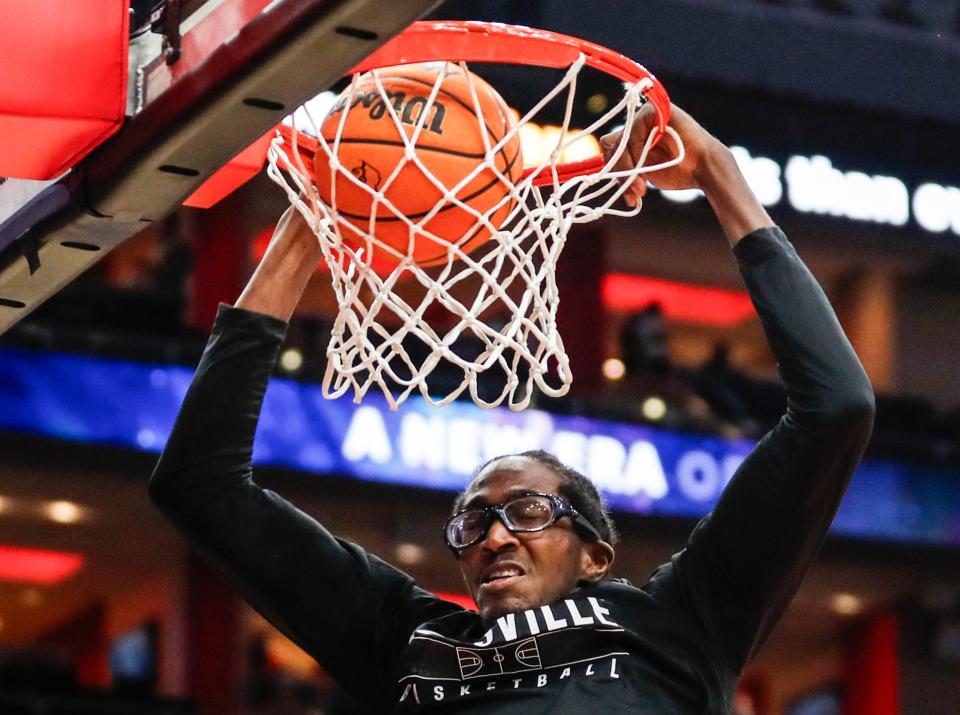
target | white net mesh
[{"x": 482, "y": 322}]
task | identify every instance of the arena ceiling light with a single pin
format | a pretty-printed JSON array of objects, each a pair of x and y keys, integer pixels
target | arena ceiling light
[
  {"x": 846, "y": 604},
  {"x": 654, "y": 408},
  {"x": 410, "y": 554},
  {"x": 291, "y": 360},
  {"x": 63, "y": 512},
  {"x": 614, "y": 369}
]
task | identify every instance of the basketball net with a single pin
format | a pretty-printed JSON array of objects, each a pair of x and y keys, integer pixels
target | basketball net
[{"x": 383, "y": 341}]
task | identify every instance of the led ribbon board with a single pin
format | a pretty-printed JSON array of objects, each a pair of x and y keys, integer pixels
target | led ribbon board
[{"x": 638, "y": 469}]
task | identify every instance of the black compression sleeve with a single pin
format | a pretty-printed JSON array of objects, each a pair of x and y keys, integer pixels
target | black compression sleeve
[
  {"x": 345, "y": 607},
  {"x": 744, "y": 561}
]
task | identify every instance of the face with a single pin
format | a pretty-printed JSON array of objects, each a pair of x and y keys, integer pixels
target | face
[{"x": 508, "y": 572}]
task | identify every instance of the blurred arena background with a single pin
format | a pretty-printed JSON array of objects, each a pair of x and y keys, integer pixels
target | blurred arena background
[{"x": 844, "y": 115}]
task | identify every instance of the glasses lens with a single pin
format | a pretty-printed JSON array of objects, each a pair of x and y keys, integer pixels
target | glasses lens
[
  {"x": 466, "y": 528},
  {"x": 528, "y": 513}
]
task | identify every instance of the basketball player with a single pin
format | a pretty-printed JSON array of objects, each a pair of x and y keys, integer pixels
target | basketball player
[{"x": 554, "y": 633}]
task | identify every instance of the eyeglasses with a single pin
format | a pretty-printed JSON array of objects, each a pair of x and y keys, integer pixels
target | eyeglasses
[{"x": 524, "y": 514}]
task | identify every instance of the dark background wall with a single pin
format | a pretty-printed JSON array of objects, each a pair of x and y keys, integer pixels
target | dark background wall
[{"x": 892, "y": 56}]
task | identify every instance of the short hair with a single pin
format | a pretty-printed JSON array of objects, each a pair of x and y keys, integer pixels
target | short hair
[{"x": 574, "y": 487}]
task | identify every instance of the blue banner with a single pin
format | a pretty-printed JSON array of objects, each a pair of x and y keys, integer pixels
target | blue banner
[{"x": 638, "y": 469}]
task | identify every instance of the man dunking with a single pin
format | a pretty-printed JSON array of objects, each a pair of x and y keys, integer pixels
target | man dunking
[{"x": 554, "y": 633}]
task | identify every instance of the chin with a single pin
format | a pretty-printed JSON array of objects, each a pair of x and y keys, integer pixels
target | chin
[{"x": 492, "y": 609}]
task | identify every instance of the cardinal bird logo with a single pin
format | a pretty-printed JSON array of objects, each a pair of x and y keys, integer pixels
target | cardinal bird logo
[{"x": 368, "y": 174}]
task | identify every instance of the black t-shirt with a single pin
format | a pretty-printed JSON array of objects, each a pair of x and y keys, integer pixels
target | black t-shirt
[{"x": 675, "y": 645}]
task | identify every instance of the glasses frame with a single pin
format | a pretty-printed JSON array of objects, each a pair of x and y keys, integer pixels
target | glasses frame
[{"x": 561, "y": 508}]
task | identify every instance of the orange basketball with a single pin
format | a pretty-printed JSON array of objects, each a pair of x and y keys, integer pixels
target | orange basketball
[{"x": 450, "y": 146}]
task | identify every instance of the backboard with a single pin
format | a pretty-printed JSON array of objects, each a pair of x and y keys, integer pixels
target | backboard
[{"x": 196, "y": 98}]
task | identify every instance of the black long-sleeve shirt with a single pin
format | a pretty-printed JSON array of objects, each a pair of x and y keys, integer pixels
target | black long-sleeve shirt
[{"x": 675, "y": 645}]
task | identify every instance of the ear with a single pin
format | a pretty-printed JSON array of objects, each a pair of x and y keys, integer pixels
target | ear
[{"x": 596, "y": 558}]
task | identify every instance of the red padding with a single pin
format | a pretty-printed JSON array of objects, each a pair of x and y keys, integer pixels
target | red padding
[
  {"x": 679, "y": 301},
  {"x": 40, "y": 566},
  {"x": 238, "y": 171},
  {"x": 872, "y": 684},
  {"x": 63, "y": 82}
]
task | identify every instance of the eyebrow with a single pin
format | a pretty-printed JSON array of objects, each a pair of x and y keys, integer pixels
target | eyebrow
[{"x": 481, "y": 503}]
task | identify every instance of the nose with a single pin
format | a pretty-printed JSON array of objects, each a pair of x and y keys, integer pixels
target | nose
[{"x": 499, "y": 537}]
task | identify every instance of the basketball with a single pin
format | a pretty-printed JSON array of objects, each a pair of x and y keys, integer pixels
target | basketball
[{"x": 450, "y": 156}]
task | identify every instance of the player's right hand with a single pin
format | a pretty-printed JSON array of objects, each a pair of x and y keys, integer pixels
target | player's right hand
[{"x": 699, "y": 143}]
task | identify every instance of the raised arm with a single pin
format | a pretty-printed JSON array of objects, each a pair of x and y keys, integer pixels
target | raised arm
[
  {"x": 745, "y": 561},
  {"x": 277, "y": 284},
  {"x": 346, "y": 608}
]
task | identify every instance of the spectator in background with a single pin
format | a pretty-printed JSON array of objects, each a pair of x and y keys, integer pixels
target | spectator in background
[
  {"x": 720, "y": 385},
  {"x": 652, "y": 390}
]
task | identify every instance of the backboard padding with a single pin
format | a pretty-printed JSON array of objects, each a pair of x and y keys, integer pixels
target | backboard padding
[{"x": 281, "y": 56}]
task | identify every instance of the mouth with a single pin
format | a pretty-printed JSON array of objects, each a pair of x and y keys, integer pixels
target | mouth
[{"x": 500, "y": 577}]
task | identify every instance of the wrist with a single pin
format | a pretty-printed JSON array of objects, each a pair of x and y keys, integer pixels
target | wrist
[
  {"x": 279, "y": 281},
  {"x": 734, "y": 203},
  {"x": 716, "y": 169},
  {"x": 296, "y": 246}
]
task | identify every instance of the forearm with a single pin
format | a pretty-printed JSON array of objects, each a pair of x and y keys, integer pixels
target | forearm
[
  {"x": 738, "y": 210},
  {"x": 278, "y": 283}
]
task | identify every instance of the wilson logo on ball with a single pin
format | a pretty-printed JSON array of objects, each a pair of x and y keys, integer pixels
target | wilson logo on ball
[
  {"x": 405, "y": 191},
  {"x": 408, "y": 110}
]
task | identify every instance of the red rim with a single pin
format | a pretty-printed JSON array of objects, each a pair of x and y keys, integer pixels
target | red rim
[{"x": 470, "y": 41}]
